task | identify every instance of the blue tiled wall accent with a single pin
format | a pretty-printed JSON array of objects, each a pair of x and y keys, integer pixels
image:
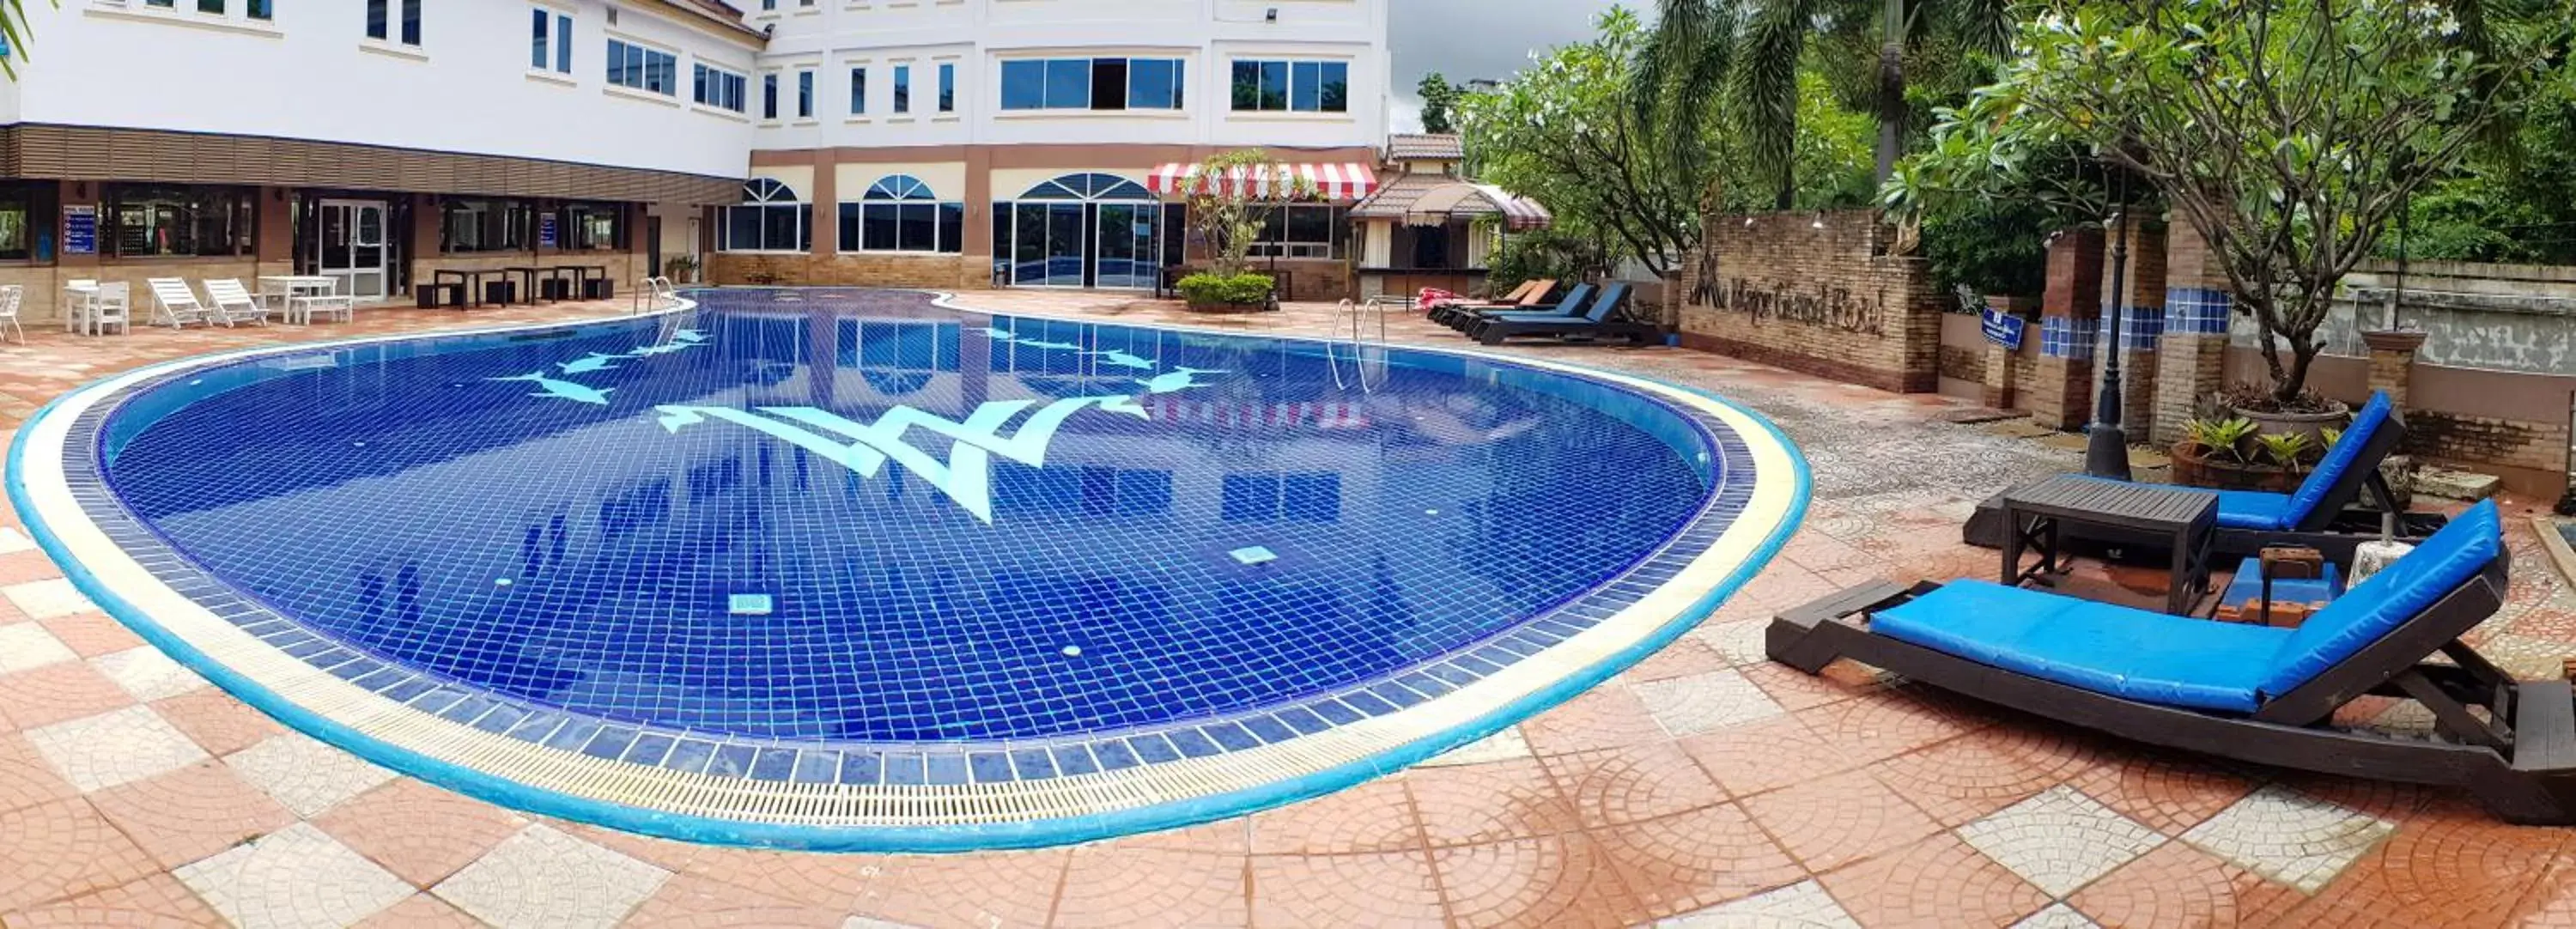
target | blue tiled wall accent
[
  {"x": 2071, "y": 339},
  {"x": 2196, "y": 311},
  {"x": 2140, "y": 327}
]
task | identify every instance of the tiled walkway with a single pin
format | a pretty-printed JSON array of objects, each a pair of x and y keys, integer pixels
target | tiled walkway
[{"x": 1705, "y": 786}]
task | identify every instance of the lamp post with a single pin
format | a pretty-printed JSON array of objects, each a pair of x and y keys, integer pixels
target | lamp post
[{"x": 2106, "y": 447}]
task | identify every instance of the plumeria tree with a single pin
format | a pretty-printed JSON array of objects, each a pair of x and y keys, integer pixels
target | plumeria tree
[
  {"x": 1227, "y": 208},
  {"x": 2286, "y": 133},
  {"x": 13, "y": 27}
]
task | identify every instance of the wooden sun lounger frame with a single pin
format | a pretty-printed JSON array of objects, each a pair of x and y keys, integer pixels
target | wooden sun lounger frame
[{"x": 2519, "y": 760}]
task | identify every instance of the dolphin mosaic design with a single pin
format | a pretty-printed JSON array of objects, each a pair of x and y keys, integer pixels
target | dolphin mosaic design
[
  {"x": 1000, "y": 334},
  {"x": 595, "y": 361},
  {"x": 561, "y": 390},
  {"x": 1176, "y": 379},
  {"x": 1051, "y": 346},
  {"x": 1123, "y": 360}
]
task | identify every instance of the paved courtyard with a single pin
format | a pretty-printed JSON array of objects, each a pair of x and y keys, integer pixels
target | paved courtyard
[{"x": 1704, "y": 787}]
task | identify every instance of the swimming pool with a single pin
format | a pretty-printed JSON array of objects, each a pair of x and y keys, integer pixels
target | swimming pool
[{"x": 852, "y": 570}]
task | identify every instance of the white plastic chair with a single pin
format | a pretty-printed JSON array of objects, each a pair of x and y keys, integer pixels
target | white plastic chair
[
  {"x": 234, "y": 303},
  {"x": 78, "y": 294},
  {"x": 113, "y": 305},
  {"x": 174, "y": 303},
  {"x": 13, "y": 296}
]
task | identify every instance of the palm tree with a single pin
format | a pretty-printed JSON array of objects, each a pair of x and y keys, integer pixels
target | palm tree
[
  {"x": 1749, "y": 52},
  {"x": 13, "y": 29}
]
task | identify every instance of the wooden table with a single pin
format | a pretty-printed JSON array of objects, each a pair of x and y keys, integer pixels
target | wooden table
[
  {"x": 2184, "y": 518},
  {"x": 471, "y": 280},
  {"x": 528, "y": 275},
  {"x": 581, "y": 275}
]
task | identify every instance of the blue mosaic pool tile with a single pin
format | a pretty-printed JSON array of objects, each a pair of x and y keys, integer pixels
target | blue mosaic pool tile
[
  {"x": 538, "y": 727},
  {"x": 1230, "y": 737},
  {"x": 500, "y": 719},
  {"x": 574, "y": 734},
  {"x": 690, "y": 756},
  {"x": 946, "y": 769},
  {"x": 774, "y": 764},
  {"x": 437, "y": 701},
  {"x": 905, "y": 769},
  {"x": 1031, "y": 764},
  {"x": 862, "y": 768},
  {"x": 1153, "y": 749},
  {"x": 816, "y": 766},
  {"x": 610, "y": 743},
  {"x": 1117, "y": 755},
  {"x": 733, "y": 759},
  {"x": 650, "y": 749},
  {"x": 992, "y": 767},
  {"x": 1269, "y": 729},
  {"x": 1073, "y": 760},
  {"x": 1342, "y": 712}
]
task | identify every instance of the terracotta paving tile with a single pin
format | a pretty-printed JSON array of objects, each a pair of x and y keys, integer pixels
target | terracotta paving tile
[
  {"x": 1609, "y": 716},
  {"x": 1230, "y": 836},
  {"x": 1963, "y": 779},
  {"x": 2182, "y": 887},
  {"x": 1107, "y": 887},
  {"x": 1489, "y": 802},
  {"x": 190, "y": 813},
  {"x": 1766, "y": 755},
  {"x": 21, "y": 567},
  {"x": 421, "y": 911},
  {"x": 1552, "y": 881},
  {"x": 421, "y": 833},
  {"x": 1835, "y": 821},
  {"x": 58, "y": 693},
  {"x": 1938, "y": 881},
  {"x": 158, "y": 901},
  {"x": 217, "y": 722},
  {"x": 989, "y": 890},
  {"x": 1685, "y": 656},
  {"x": 25, "y": 778},
  {"x": 92, "y": 634},
  {"x": 689, "y": 902},
  {"x": 2552, "y": 900},
  {"x": 1881, "y": 725},
  {"x": 2454, "y": 863},
  {"x": 2169, "y": 794},
  {"x": 2384, "y": 799},
  {"x": 1376, "y": 816},
  {"x": 1695, "y": 860},
  {"x": 62, "y": 850},
  {"x": 1629, "y": 784},
  {"x": 822, "y": 881},
  {"x": 1395, "y": 889}
]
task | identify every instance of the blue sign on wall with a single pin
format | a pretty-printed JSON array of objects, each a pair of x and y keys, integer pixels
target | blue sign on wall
[
  {"x": 80, "y": 230},
  {"x": 2001, "y": 328},
  {"x": 546, "y": 230}
]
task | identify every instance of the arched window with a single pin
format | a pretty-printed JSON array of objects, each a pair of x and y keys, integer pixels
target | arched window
[
  {"x": 901, "y": 213},
  {"x": 1090, "y": 187},
  {"x": 772, "y": 218}
]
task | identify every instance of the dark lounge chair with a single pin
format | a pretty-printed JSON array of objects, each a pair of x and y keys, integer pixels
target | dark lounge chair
[
  {"x": 1462, "y": 316},
  {"x": 2253, "y": 693},
  {"x": 1598, "y": 322}
]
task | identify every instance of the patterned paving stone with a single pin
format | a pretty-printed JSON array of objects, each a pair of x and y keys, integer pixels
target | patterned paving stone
[
  {"x": 306, "y": 775},
  {"x": 1504, "y": 745},
  {"x": 190, "y": 813},
  {"x": 1804, "y": 905},
  {"x": 2289, "y": 837},
  {"x": 1108, "y": 887},
  {"x": 1706, "y": 702},
  {"x": 1740, "y": 642},
  {"x": 420, "y": 911},
  {"x": 1372, "y": 817},
  {"x": 420, "y": 833},
  {"x": 1005, "y": 889},
  {"x": 1684, "y": 657},
  {"x": 2060, "y": 840},
  {"x": 48, "y": 598},
  {"x": 1489, "y": 803},
  {"x": 1609, "y": 716},
  {"x": 1765, "y": 756},
  {"x": 1938, "y": 881},
  {"x": 294, "y": 878},
  {"x": 2057, "y": 916},
  {"x": 114, "y": 748},
  {"x": 2180, "y": 886},
  {"x": 1379, "y": 890},
  {"x": 26, "y": 779},
  {"x": 1690, "y": 861},
  {"x": 25, "y": 646},
  {"x": 147, "y": 673},
  {"x": 2169, "y": 795},
  {"x": 1626, "y": 785},
  {"x": 1963, "y": 779},
  {"x": 60, "y": 850},
  {"x": 543, "y": 877},
  {"x": 1559, "y": 880},
  {"x": 92, "y": 634},
  {"x": 689, "y": 902},
  {"x": 155, "y": 902},
  {"x": 1834, "y": 821},
  {"x": 14, "y": 540},
  {"x": 58, "y": 693},
  {"x": 216, "y": 721},
  {"x": 2456, "y": 861}
]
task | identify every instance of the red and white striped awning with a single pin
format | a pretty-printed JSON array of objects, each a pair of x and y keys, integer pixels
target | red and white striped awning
[
  {"x": 1330, "y": 181},
  {"x": 1259, "y": 416}
]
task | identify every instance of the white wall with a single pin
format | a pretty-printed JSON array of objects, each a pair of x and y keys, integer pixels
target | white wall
[
  {"x": 311, "y": 73},
  {"x": 831, "y": 35}
]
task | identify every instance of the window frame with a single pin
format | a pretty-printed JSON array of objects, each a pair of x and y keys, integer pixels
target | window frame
[
  {"x": 635, "y": 66},
  {"x": 896, "y": 200},
  {"x": 769, "y": 199},
  {"x": 714, "y": 87},
  {"x": 1119, "y": 71},
  {"x": 902, "y": 83},
  {"x": 1308, "y": 86},
  {"x": 240, "y": 218}
]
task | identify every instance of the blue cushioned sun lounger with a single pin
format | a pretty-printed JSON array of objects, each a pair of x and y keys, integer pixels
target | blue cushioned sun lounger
[
  {"x": 2255, "y": 693},
  {"x": 1461, "y": 317},
  {"x": 1597, "y": 322}
]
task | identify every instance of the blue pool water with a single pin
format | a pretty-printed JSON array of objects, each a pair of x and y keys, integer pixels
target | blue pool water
[{"x": 840, "y": 519}]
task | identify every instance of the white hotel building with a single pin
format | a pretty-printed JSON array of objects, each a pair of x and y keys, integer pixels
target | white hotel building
[{"x": 949, "y": 143}]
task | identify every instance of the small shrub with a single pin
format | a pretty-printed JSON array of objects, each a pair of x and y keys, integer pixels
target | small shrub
[
  {"x": 1205, "y": 287},
  {"x": 2222, "y": 436},
  {"x": 2284, "y": 449}
]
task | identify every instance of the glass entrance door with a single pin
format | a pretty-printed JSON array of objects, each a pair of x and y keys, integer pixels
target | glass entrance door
[
  {"x": 1114, "y": 245},
  {"x": 1128, "y": 254},
  {"x": 351, "y": 247},
  {"x": 1048, "y": 245}
]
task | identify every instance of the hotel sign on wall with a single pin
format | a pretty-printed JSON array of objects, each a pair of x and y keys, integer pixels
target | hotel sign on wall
[
  {"x": 80, "y": 229},
  {"x": 1820, "y": 305}
]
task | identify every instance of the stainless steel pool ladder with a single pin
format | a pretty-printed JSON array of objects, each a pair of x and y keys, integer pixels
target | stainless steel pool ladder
[
  {"x": 1362, "y": 347},
  {"x": 652, "y": 295}
]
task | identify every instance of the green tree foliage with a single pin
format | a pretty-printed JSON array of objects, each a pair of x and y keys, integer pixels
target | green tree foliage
[
  {"x": 13, "y": 27},
  {"x": 2514, "y": 202},
  {"x": 1228, "y": 217},
  {"x": 1561, "y": 134},
  {"x": 2285, "y": 132},
  {"x": 1439, "y": 103}
]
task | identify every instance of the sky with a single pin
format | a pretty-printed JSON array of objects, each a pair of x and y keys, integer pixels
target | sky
[{"x": 1465, "y": 39}]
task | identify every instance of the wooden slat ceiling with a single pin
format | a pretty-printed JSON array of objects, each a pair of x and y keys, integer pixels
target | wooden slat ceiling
[{"x": 104, "y": 154}]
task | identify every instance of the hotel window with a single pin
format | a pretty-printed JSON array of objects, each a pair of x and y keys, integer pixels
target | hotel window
[
  {"x": 1092, "y": 84},
  {"x": 858, "y": 91},
  {"x": 1292, "y": 86},
  {"x": 154, "y": 220},
  {"x": 804, "y": 94},
  {"x": 640, "y": 68},
  {"x": 483, "y": 225},
  {"x": 900, "y": 214},
  {"x": 1301, "y": 230},
  {"x": 258, "y": 9},
  {"x": 947, "y": 87},
  {"x": 380, "y": 25},
  {"x": 27, "y": 219},
  {"x": 903, "y": 88},
  {"x": 593, "y": 227},
  {"x": 719, "y": 88},
  {"x": 769, "y": 96},
  {"x": 550, "y": 41},
  {"x": 769, "y": 220}
]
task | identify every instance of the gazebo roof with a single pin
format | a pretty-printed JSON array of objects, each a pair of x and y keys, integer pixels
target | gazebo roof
[{"x": 1417, "y": 146}]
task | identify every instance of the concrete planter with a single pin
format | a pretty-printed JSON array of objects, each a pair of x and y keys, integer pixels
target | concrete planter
[
  {"x": 2312, "y": 425},
  {"x": 2194, "y": 467}
]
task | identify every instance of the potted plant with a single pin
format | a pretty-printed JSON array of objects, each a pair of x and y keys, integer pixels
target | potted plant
[
  {"x": 1226, "y": 211},
  {"x": 2307, "y": 413},
  {"x": 1211, "y": 292},
  {"x": 681, "y": 269}
]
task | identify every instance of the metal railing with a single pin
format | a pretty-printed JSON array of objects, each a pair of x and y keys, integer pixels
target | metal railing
[
  {"x": 653, "y": 293},
  {"x": 1368, "y": 358}
]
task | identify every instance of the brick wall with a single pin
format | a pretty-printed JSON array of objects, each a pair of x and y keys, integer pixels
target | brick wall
[
  {"x": 940, "y": 272},
  {"x": 1813, "y": 294},
  {"x": 2531, "y": 456}
]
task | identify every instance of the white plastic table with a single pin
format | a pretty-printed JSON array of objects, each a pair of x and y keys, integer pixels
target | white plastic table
[{"x": 295, "y": 287}]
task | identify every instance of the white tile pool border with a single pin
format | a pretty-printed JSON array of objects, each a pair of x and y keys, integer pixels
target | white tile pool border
[{"x": 886, "y": 817}]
